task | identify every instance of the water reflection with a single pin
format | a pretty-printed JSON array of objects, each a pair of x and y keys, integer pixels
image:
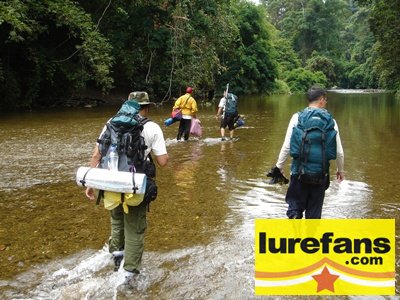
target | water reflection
[
  {"x": 348, "y": 200},
  {"x": 185, "y": 170},
  {"x": 201, "y": 228}
]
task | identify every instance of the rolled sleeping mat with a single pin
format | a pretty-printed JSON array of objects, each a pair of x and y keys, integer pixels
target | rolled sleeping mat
[
  {"x": 170, "y": 121},
  {"x": 111, "y": 180}
]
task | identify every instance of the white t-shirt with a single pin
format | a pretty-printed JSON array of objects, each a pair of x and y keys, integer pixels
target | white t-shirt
[
  {"x": 153, "y": 138},
  {"x": 187, "y": 117},
  {"x": 222, "y": 104}
]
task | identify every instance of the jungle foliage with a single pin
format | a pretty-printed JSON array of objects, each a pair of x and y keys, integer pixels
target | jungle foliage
[
  {"x": 51, "y": 50},
  {"x": 353, "y": 43}
]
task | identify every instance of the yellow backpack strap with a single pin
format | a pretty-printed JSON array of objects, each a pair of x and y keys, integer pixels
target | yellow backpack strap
[
  {"x": 124, "y": 204},
  {"x": 186, "y": 101}
]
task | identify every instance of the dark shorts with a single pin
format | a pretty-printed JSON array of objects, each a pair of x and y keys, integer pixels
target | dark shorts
[{"x": 228, "y": 121}]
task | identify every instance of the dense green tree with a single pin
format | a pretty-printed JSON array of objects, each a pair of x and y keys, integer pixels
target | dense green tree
[
  {"x": 252, "y": 69},
  {"x": 325, "y": 65},
  {"x": 205, "y": 45},
  {"x": 55, "y": 49},
  {"x": 47, "y": 46},
  {"x": 320, "y": 27},
  {"x": 312, "y": 25},
  {"x": 356, "y": 70},
  {"x": 285, "y": 56},
  {"x": 385, "y": 24},
  {"x": 337, "y": 30},
  {"x": 300, "y": 80},
  {"x": 162, "y": 47},
  {"x": 141, "y": 40}
]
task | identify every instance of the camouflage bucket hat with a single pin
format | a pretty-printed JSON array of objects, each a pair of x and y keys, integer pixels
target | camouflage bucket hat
[{"x": 141, "y": 97}]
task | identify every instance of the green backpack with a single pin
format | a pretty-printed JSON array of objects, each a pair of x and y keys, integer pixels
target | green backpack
[
  {"x": 313, "y": 145},
  {"x": 231, "y": 105}
]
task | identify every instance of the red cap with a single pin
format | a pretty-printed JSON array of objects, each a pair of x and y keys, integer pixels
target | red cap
[{"x": 189, "y": 90}]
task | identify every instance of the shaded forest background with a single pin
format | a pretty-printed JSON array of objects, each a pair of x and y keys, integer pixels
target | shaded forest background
[{"x": 53, "y": 50}]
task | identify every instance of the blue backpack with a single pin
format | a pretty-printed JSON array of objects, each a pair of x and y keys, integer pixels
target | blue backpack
[
  {"x": 313, "y": 145},
  {"x": 231, "y": 105}
]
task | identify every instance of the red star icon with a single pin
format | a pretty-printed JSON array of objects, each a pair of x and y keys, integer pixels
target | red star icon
[{"x": 325, "y": 280}]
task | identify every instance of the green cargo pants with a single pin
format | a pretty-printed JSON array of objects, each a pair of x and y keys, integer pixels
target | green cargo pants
[{"x": 127, "y": 232}]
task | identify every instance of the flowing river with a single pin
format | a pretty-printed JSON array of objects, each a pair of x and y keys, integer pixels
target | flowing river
[{"x": 200, "y": 238}]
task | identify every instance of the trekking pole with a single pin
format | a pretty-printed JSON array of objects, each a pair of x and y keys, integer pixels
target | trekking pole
[{"x": 227, "y": 89}]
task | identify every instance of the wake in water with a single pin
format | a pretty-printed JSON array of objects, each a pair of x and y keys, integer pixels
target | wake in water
[
  {"x": 348, "y": 199},
  {"x": 255, "y": 198},
  {"x": 223, "y": 269},
  {"x": 180, "y": 274},
  {"x": 88, "y": 276}
]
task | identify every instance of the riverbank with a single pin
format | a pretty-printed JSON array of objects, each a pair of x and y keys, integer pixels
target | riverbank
[
  {"x": 91, "y": 98},
  {"x": 94, "y": 98}
]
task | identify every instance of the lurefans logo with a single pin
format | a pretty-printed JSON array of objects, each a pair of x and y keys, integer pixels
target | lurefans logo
[{"x": 325, "y": 257}]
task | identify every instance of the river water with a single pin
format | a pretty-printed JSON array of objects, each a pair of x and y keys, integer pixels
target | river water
[{"x": 200, "y": 238}]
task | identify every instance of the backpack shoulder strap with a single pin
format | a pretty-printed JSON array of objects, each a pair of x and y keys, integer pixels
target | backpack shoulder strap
[
  {"x": 228, "y": 100},
  {"x": 142, "y": 120},
  {"x": 187, "y": 99}
]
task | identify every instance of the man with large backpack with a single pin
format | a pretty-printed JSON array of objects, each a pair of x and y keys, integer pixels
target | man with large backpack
[
  {"x": 312, "y": 140},
  {"x": 227, "y": 110},
  {"x": 134, "y": 138}
]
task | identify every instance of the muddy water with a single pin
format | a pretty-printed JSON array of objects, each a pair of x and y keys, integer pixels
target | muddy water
[{"x": 199, "y": 243}]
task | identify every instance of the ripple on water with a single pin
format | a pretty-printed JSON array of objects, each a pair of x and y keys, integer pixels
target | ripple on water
[
  {"x": 255, "y": 198},
  {"x": 169, "y": 275},
  {"x": 37, "y": 164},
  {"x": 348, "y": 199}
]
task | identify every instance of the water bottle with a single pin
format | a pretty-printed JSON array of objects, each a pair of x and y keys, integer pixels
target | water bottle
[{"x": 113, "y": 158}]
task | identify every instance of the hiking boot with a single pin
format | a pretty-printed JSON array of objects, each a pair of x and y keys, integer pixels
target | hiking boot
[
  {"x": 222, "y": 139},
  {"x": 131, "y": 273},
  {"x": 118, "y": 256},
  {"x": 130, "y": 276}
]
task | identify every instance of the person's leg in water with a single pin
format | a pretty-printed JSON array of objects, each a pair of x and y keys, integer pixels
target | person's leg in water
[
  {"x": 117, "y": 239},
  {"x": 231, "y": 133},
  {"x": 186, "y": 129},
  {"x": 222, "y": 128},
  {"x": 296, "y": 197},
  {"x": 231, "y": 124},
  {"x": 222, "y": 133},
  {"x": 135, "y": 227},
  {"x": 180, "y": 129},
  {"x": 313, "y": 209}
]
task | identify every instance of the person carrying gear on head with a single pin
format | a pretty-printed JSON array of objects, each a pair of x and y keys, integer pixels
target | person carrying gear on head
[
  {"x": 312, "y": 140},
  {"x": 188, "y": 105},
  {"x": 128, "y": 226}
]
